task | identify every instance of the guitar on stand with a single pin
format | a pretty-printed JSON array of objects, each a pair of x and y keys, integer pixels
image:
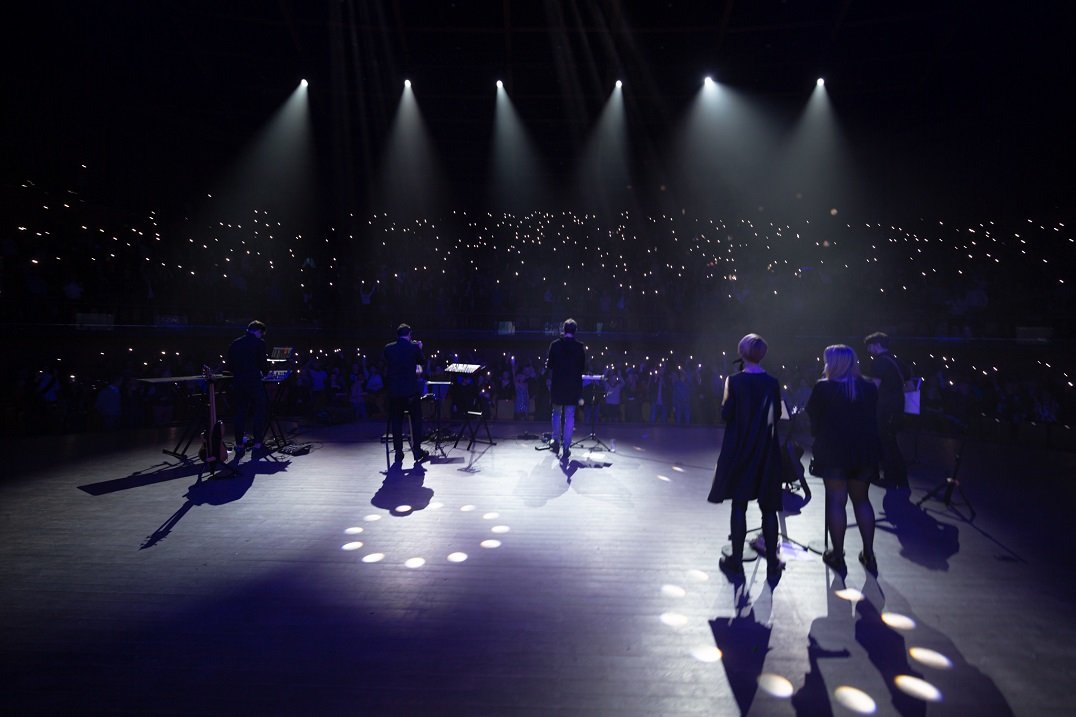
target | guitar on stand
[{"x": 213, "y": 451}]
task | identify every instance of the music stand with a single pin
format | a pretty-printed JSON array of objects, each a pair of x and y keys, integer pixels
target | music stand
[
  {"x": 589, "y": 379},
  {"x": 438, "y": 436}
]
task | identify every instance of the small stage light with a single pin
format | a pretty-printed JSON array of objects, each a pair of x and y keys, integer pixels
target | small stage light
[
  {"x": 820, "y": 82},
  {"x": 499, "y": 84},
  {"x": 303, "y": 83},
  {"x": 709, "y": 81},
  {"x": 619, "y": 84},
  {"x": 407, "y": 83}
]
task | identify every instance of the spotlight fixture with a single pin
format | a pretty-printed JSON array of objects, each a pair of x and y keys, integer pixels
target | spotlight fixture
[
  {"x": 619, "y": 84},
  {"x": 820, "y": 82},
  {"x": 709, "y": 81},
  {"x": 499, "y": 84},
  {"x": 407, "y": 83},
  {"x": 303, "y": 83}
]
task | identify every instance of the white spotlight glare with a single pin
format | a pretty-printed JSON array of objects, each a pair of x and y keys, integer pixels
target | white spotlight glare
[
  {"x": 820, "y": 82},
  {"x": 619, "y": 84},
  {"x": 407, "y": 83},
  {"x": 303, "y": 83},
  {"x": 709, "y": 81},
  {"x": 499, "y": 84}
]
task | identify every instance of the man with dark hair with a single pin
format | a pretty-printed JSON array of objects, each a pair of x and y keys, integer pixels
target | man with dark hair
[
  {"x": 248, "y": 359},
  {"x": 889, "y": 373},
  {"x": 565, "y": 363},
  {"x": 403, "y": 369}
]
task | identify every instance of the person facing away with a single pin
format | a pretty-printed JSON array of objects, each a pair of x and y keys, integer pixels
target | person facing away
[
  {"x": 843, "y": 408},
  {"x": 248, "y": 360},
  {"x": 889, "y": 374},
  {"x": 565, "y": 362},
  {"x": 749, "y": 465},
  {"x": 403, "y": 372}
]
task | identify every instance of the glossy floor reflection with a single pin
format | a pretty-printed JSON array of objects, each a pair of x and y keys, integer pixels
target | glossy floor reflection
[{"x": 503, "y": 581}]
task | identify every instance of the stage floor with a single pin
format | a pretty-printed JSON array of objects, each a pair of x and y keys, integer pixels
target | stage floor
[{"x": 501, "y": 582}]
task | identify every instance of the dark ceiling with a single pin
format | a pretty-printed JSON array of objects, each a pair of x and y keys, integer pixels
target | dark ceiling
[{"x": 171, "y": 88}]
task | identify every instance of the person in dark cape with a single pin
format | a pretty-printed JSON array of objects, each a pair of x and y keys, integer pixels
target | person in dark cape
[{"x": 749, "y": 466}]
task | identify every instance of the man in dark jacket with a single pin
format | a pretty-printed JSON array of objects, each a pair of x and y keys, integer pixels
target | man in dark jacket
[
  {"x": 248, "y": 359},
  {"x": 889, "y": 373},
  {"x": 403, "y": 369},
  {"x": 565, "y": 363}
]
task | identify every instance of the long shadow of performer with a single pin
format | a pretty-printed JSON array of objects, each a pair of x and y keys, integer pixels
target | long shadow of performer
[
  {"x": 923, "y": 539},
  {"x": 402, "y": 492},
  {"x": 744, "y": 641},
  {"x": 216, "y": 492}
]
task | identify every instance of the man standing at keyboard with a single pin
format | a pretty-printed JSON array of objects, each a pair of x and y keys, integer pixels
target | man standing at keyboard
[
  {"x": 565, "y": 363},
  {"x": 403, "y": 369},
  {"x": 248, "y": 359}
]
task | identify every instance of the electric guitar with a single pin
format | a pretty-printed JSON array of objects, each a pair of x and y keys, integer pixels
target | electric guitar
[{"x": 213, "y": 449}]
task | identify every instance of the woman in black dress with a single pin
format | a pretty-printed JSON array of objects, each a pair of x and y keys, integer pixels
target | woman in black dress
[
  {"x": 847, "y": 448},
  {"x": 749, "y": 466}
]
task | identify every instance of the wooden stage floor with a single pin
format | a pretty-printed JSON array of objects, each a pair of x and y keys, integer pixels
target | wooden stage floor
[{"x": 499, "y": 582}]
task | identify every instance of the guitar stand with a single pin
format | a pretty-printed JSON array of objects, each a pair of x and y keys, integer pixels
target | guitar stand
[{"x": 951, "y": 483}]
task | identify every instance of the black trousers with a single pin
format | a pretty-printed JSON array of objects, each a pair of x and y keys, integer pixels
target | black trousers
[
  {"x": 397, "y": 406},
  {"x": 250, "y": 398},
  {"x": 893, "y": 465}
]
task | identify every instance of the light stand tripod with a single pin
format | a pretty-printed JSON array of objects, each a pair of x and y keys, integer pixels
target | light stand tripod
[{"x": 951, "y": 483}]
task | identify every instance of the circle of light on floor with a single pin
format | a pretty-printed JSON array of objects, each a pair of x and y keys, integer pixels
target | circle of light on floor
[
  {"x": 678, "y": 469},
  {"x": 457, "y": 557},
  {"x": 435, "y": 505},
  {"x": 467, "y": 508},
  {"x": 490, "y": 543},
  {"x": 491, "y": 516},
  {"x": 709, "y": 653},
  {"x": 373, "y": 558},
  {"x": 414, "y": 562},
  {"x": 403, "y": 509},
  {"x": 930, "y": 658},
  {"x": 371, "y": 518},
  {"x": 673, "y": 591},
  {"x": 856, "y": 700},
  {"x": 915, "y": 687},
  {"x": 665, "y": 478},
  {"x": 849, "y": 594},
  {"x": 897, "y": 621},
  {"x": 674, "y": 619},
  {"x": 499, "y": 529},
  {"x": 775, "y": 685},
  {"x": 351, "y": 546},
  {"x": 353, "y": 531},
  {"x": 698, "y": 576}
]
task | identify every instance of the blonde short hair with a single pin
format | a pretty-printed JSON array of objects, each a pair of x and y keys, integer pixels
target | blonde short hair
[
  {"x": 842, "y": 364},
  {"x": 752, "y": 348}
]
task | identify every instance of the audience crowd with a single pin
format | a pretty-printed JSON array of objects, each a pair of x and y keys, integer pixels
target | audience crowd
[{"x": 982, "y": 287}]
